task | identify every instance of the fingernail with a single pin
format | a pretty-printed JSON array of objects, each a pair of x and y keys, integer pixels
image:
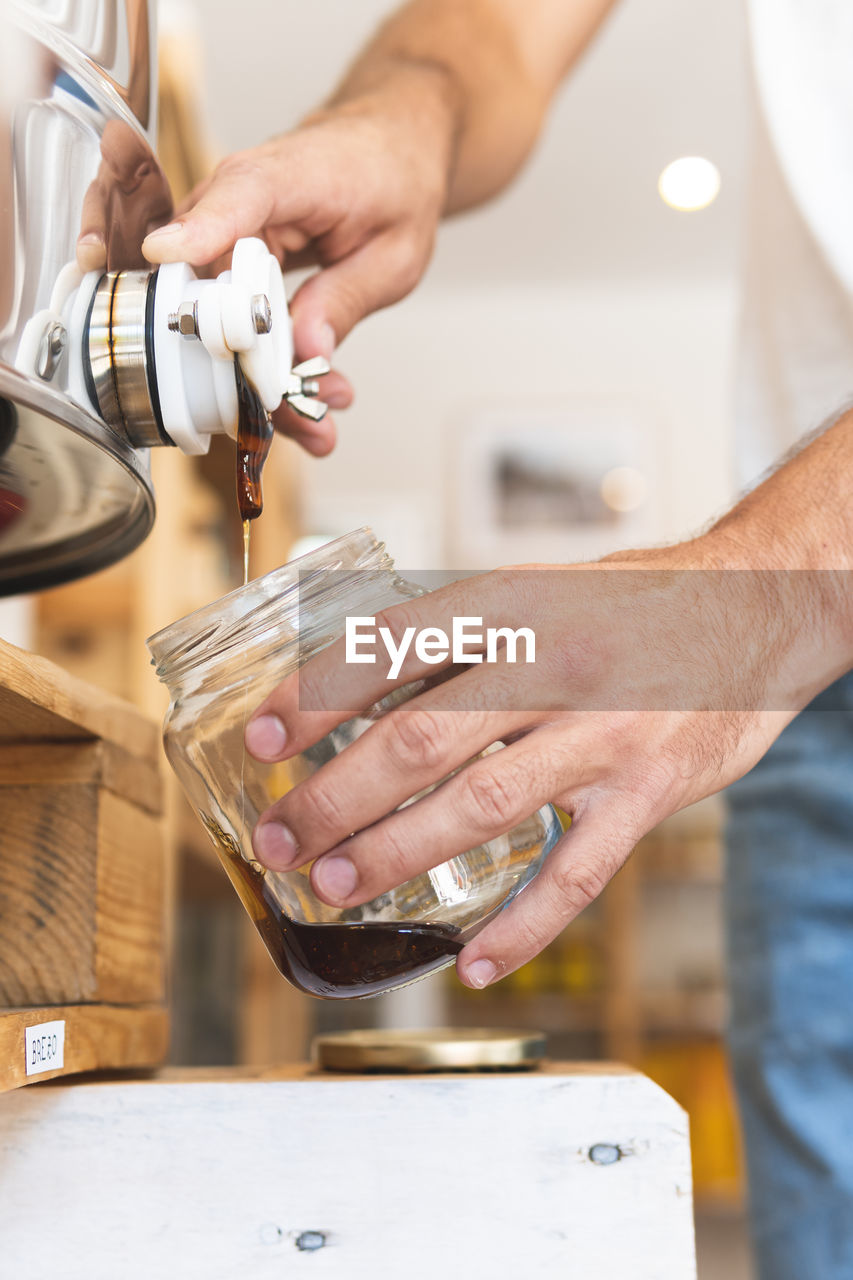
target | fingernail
[
  {"x": 170, "y": 229},
  {"x": 338, "y": 400},
  {"x": 91, "y": 252},
  {"x": 335, "y": 878},
  {"x": 274, "y": 845},
  {"x": 480, "y": 973},
  {"x": 327, "y": 341},
  {"x": 265, "y": 737}
]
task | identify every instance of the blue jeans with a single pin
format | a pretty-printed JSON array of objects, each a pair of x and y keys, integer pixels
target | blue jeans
[{"x": 789, "y": 906}]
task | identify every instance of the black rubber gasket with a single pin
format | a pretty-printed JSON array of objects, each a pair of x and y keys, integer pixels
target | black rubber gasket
[
  {"x": 151, "y": 361},
  {"x": 87, "y": 363}
]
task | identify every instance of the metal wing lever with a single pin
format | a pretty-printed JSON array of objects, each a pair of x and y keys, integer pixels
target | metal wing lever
[{"x": 302, "y": 389}]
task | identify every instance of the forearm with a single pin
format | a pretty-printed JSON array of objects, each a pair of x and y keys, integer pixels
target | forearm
[
  {"x": 478, "y": 74},
  {"x": 797, "y": 527},
  {"x": 801, "y": 517}
]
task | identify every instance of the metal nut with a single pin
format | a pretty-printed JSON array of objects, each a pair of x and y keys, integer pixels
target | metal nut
[
  {"x": 185, "y": 320},
  {"x": 261, "y": 313},
  {"x": 308, "y": 1241},
  {"x": 605, "y": 1153},
  {"x": 50, "y": 350}
]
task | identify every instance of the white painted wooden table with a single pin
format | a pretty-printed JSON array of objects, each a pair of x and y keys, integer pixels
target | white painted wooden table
[{"x": 450, "y": 1177}]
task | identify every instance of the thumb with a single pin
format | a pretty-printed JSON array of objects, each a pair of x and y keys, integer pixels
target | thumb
[
  {"x": 331, "y": 302},
  {"x": 238, "y": 201}
]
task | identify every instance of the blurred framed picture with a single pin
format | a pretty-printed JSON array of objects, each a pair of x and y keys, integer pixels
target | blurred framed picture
[{"x": 554, "y": 484}]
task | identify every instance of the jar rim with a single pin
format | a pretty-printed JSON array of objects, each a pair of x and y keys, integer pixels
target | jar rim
[{"x": 213, "y": 628}]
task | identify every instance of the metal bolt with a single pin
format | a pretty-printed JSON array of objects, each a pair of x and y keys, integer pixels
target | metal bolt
[
  {"x": 310, "y": 1240},
  {"x": 604, "y": 1153},
  {"x": 50, "y": 350},
  {"x": 185, "y": 320},
  {"x": 261, "y": 313}
]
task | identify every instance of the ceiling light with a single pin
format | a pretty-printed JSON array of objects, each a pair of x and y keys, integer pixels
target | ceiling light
[
  {"x": 689, "y": 183},
  {"x": 624, "y": 489}
]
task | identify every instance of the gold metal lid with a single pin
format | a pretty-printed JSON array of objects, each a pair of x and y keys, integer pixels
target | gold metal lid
[{"x": 438, "y": 1049}]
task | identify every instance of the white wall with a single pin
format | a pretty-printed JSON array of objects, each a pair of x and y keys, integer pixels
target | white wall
[
  {"x": 578, "y": 285},
  {"x": 663, "y": 79},
  {"x": 424, "y": 368},
  {"x": 16, "y": 621}
]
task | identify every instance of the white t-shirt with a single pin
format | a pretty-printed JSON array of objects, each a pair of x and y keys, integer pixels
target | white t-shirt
[{"x": 796, "y": 353}]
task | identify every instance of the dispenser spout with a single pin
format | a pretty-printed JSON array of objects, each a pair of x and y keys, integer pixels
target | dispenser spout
[{"x": 158, "y": 350}]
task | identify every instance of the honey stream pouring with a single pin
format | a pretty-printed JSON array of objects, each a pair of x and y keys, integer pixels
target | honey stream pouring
[{"x": 215, "y": 355}]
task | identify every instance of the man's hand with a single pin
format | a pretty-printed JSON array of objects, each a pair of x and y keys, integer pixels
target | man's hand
[
  {"x": 357, "y": 192},
  {"x": 648, "y": 691},
  {"x": 659, "y": 678},
  {"x": 437, "y": 114}
]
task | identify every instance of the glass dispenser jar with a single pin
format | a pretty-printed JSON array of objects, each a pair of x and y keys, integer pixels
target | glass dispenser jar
[{"x": 219, "y": 663}]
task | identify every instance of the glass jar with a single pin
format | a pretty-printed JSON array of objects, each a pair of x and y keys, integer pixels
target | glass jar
[{"x": 219, "y": 663}]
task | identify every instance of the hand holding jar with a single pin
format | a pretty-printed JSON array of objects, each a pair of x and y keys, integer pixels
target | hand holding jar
[
  {"x": 221, "y": 662},
  {"x": 658, "y": 678},
  {"x": 399, "y": 800}
]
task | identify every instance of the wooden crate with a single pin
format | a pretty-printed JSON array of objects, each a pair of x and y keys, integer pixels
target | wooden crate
[
  {"x": 566, "y": 1171},
  {"x": 82, "y": 875}
]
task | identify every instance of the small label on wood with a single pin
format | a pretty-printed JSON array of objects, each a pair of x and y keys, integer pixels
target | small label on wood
[{"x": 44, "y": 1046}]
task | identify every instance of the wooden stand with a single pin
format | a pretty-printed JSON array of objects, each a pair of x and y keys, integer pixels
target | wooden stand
[
  {"x": 82, "y": 875},
  {"x": 567, "y": 1171}
]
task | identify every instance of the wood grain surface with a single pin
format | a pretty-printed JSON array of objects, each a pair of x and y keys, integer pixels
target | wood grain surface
[
  {"x": 82, "y": 871},
  {"x": 481, "y": 1176},
  {"x": 41, "y": 702},
  {"x": 48, "y": 892},
  {"x": 130, "y": 898},
  {"x": 96, "y": 1037},
  {"x": 82, "y": 897},
  {"x": 59, "y": 764}
]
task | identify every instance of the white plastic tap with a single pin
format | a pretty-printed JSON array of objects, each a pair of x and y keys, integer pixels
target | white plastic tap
[
  {"x": 200, "y": 325},
  {"x": 153, "y": 352}
]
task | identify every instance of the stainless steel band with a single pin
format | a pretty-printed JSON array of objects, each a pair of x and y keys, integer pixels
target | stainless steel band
[{"x": 118, "y": 357}]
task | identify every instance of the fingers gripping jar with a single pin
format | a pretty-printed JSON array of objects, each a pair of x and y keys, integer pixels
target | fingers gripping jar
[{"x": 219, "y": 663}]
